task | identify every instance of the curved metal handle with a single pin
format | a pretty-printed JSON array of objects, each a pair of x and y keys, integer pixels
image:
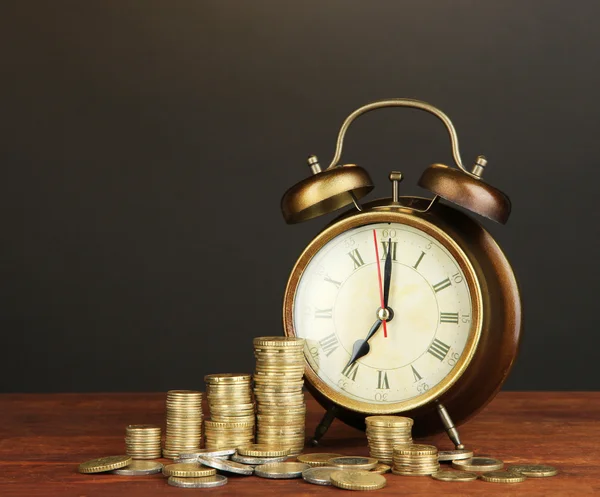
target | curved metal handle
[{"x": 401, "y": 102}]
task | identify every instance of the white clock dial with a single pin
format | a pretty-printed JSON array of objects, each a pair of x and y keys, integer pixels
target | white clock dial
[{"x": 338, "y": 299}]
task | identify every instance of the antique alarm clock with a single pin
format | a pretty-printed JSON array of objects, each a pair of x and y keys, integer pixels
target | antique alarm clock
[{"x": 407, "y": 304}]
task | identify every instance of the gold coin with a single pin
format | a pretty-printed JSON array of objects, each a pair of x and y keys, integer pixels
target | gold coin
[
  {"x": 353, "y": 462},
  {"x": 103, "y": 464},
  {"x": 381, "y": 469},
  {"x": 533, "y": 470},
  {"x": 188, "y": 470},
  {"x": 318, "y": 459},
  {"x": 416, "y": 450},
  {"x": 478, "y": 464},
  {"x": 278, "y": 341},
  {"x": 503, "y": 476},
  {"x": 228, "y": 378},
  {"x": 447, "y": 475},
  {"x": 388, "y": 421},
  {"x": 262, "y": 450},
  {"x": 353, "y": 479}
]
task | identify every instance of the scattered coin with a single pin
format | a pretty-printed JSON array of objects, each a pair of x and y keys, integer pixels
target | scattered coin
[
  {"x": 353, "y": 462},
  {"x": 262, "y": 450},
  {"x": 533, "y": 470},
  {"x": 455, "y": 455},
  {"x": 206, "y": 482},
  {"x": 447, "y": 475},
  {"x": 381, "y": 469},
  {"x": 319, "y": 475},
  {"x": 280, "y": 470},
  {"x": 207, "y": 452},
  {"x": 138, "y": 468},
  {"x": 318, "y": 459},
  {"x": 188, "y": 470},
  {"x": 503, "y": 476},
  {"x": 478, "y": 464},
  {"x": 226, "y": 465},
  {"x": 103, "y": 464},
  {"x": 255, "y": 461},
  {"x": 352, "y": 479}
]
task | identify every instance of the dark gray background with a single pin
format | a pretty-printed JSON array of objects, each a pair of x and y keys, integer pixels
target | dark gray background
[{"x": 145, "y": 147}]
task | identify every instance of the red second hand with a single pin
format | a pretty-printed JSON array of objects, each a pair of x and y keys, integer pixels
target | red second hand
[{"x": 379, "y": 277}]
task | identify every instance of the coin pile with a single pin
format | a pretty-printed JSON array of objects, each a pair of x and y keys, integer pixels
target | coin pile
[
  {"x": 184, "y": 422},
  {"x": 143, "y": 441},
  {"x": 415, "y": 460},
  {"x": 384, "y": 433},
  {"x": 278, "y": 382},
  {"x": 231, "y": 410}
]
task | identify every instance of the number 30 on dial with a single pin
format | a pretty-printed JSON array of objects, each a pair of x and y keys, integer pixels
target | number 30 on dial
[{"x": 375, "y": 358}]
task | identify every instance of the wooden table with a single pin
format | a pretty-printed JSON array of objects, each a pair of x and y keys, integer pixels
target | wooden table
[{"x": 44, "y": 437}]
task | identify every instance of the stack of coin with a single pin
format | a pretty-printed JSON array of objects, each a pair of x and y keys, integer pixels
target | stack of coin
[
  {"x": 384, "y": 433},
  {"x": 231, "y": 410},
  {"x": 415, "y": 460},
  {"x": 278, "y": 382},
  {"x": 143, "y": 441},
  {"x": 184, "y": 422}
]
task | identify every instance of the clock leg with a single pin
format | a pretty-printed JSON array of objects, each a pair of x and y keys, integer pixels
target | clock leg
[
  {"x": 324, "y": 425},
  {"x": 449, "y": 426}
]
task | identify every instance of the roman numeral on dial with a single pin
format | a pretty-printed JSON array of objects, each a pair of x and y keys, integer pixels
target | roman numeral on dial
[
  {"x": 329, "y": 344},
  {"x": 356, "y": 258},
  {"x": 382, "y": 380},
  {"x": 419, "y": 260},
  {"x": 439, "y": 349},
  {"x": 416, "y": 374},
  {"x": 438, "y": 287},
  {"x": 449, "y": 317},
  {"x": 323, "y": 313},
  {"x": 350, "y": 371},
  {"x": 333, "y": 282},
  {"x": 386, "y": 249}
]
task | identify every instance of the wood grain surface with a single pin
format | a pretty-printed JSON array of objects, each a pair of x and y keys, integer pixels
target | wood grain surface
[{"x": 44, "y": 437}]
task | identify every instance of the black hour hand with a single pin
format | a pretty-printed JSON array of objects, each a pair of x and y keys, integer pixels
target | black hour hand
[{"x": 361, "y": 347}]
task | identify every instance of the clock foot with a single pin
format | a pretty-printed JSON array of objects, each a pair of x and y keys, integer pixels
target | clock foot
[
  {"x": 324, "y": 425},
  {"x": 449, "y": 426}
]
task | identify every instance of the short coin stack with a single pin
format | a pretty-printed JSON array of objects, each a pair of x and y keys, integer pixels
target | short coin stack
[
  {"x": 384, "y": 433},
  {"x": 278, "y": 382},
  {"x": 231, "y": 410},
  {"x": 415, "y": 460},
  {"x": 143, "y": 441},
  {"x": 184, "y": 422}
]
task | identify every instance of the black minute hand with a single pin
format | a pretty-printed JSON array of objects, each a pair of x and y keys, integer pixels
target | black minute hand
[{"x": 387, "y": 275}]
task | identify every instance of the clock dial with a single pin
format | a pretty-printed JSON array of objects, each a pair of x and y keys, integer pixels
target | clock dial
[{"x": 338, "y": 304}]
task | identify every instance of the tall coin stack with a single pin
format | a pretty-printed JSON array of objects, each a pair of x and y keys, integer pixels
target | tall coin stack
[
  {"x": 231, "y": 411},
  {"x": 278, "y": 382},
  {"x": 415, "y": 460},
  {"x": 143, "y": 441},
  {"x": 184, "y": 422},
  {"x": 386, "y": 432}
]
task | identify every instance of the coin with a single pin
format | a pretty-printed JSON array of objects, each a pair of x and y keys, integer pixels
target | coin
[
  {"x": 503, "y": 476},
  {"x": 280, "y": 470},
  {"x": 207, "y": 452},
  {"x": 318, "y": 459},
  {"x": 139, "y": 468},
  {"x": 279, "y": 341},
  {"x": 319, "y": 475},
  {"x": 381, "y": 469},
  {"x": 103, "y": 464},
  {"x": 184, "y": 422},
  {"x": 454, "y": 455},
  {"x": 255, "y": 461},
  {"x": 478, "y": 464},
  {"x": 225, "y": 465},
  {"x": 262, "y": 450},
  {"x": 353, "y": 462},
  {"x": 188, "y": 470},
  {"x": 206, "y": 482},
  {"x": 533, "y": 470},
  {"x": 416, "y": 450},
  {"x": 352, "y": 479},
  {"x": 447, "y": 475},
  {"x": 228, "y": 378},
  {"x": 388, "y": 421}
]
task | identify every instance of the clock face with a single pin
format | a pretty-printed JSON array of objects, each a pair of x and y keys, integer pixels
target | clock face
[{"x": 428, "y": 318}]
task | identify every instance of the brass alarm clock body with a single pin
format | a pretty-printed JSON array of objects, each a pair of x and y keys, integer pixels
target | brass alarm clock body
[
  {"x": 407, "y": 304},
  {"x": 455, "y": 305}
]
